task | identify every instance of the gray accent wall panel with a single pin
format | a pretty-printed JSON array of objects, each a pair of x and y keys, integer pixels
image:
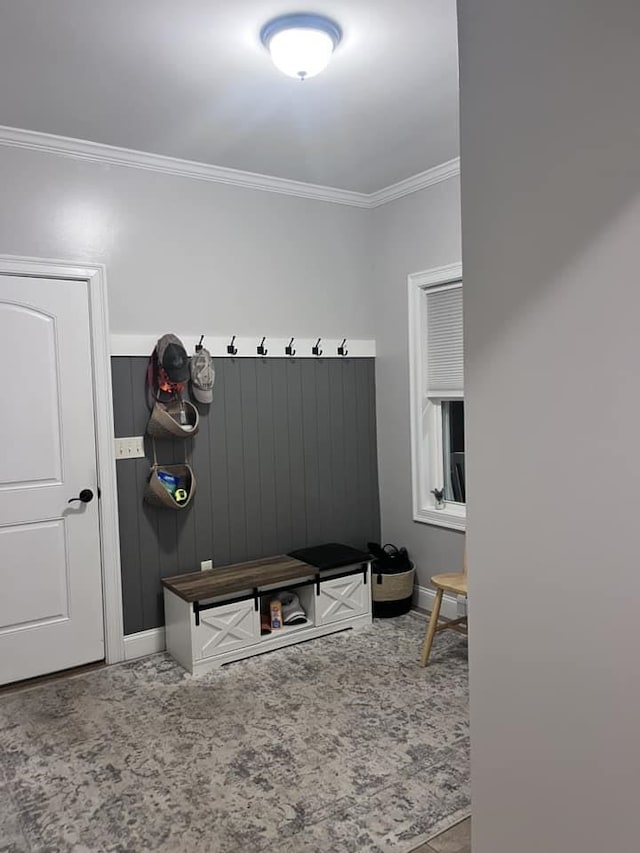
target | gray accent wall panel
[{"x": 285, "y": 457}]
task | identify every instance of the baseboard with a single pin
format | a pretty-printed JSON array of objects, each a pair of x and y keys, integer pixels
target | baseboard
[
  {"x": 423, "y": 598},
  {"x": 144, "y": 643}
]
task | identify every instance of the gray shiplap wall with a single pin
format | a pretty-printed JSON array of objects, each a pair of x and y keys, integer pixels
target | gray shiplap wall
[{"x": 285, "y": 457}]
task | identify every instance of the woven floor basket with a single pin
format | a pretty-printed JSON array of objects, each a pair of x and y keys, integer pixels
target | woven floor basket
[
  {"x": 392, "y": 587},
  {"x": 157, "y": 495},
  {"x": 164, "y": 423}
]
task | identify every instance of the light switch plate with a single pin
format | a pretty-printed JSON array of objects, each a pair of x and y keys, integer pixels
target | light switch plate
[{"x": 129, "y": 448}]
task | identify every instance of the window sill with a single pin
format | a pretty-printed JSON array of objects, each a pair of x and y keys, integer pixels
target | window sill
[{"x": 453, "y": 516}]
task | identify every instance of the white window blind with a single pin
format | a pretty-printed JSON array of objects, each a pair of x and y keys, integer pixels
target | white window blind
[{"x": 445, "y": 353}]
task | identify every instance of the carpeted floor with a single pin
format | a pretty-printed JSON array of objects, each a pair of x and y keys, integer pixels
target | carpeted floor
[{"x": 339, "y": 744}]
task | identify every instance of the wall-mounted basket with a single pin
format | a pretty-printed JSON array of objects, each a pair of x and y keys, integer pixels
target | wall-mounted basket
[
  {"x": 165, "y": 420},
  {"x": 158, "y": 495}
]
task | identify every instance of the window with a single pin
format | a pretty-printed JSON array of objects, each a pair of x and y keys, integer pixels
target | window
[
  {"x": 453, "y": 450},
  {"x": 437, "y": 396}
]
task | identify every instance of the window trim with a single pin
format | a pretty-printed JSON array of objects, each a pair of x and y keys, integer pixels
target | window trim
[{"x": 426, "y": 414}]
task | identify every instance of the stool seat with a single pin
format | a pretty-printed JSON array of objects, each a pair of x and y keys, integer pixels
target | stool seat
[{"x": 455, "y": 583}]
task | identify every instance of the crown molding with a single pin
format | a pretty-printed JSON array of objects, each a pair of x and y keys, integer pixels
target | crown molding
[
  {"x": 97, "y": 152},
  {"x": 416, "y": 182}
]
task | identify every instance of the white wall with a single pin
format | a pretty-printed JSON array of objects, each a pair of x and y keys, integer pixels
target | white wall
[
  {"x": 412, "y": 234},
  {"x": 551, "y": 213},
  {"x": 191, "y": 255}
]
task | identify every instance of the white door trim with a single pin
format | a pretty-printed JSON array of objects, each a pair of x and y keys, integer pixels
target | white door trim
[{"x": 96, "y": 278}]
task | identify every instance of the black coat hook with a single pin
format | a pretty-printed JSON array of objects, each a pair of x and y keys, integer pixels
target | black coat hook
[
  {"x": 289, "y": 350},
  {"x": 341, "y": 349},
  {"x": 231, "y": 349},
  {"x": 199, "y": 344},
  {"x": 316, "y": 349},
  {"x": 261, "y": 348}
]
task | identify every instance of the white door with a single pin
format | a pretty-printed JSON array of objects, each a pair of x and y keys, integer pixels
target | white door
[{"x": 50, "y": 572}]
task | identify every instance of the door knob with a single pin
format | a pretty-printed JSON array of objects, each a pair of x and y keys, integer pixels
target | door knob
[{"x": 85, "y": 497}]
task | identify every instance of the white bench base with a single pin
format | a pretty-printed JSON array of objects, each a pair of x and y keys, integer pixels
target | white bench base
[{"x": 227, "y": 632}]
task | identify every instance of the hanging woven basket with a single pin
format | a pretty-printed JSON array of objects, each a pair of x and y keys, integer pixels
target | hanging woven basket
[
  {"x": 165, "y": 420},
  {"x": 170, "y": 486},
  {"x": 157, "y": 494}
]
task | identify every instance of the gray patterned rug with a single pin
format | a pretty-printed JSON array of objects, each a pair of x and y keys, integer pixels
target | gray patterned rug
[{"x": 339, "y": 744}]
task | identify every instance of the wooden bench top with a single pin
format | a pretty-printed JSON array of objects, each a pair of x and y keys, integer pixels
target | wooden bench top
[{"x": 225, "y": 580}]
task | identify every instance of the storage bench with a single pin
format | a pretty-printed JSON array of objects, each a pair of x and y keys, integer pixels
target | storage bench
[{"x": 213, "y": 617}]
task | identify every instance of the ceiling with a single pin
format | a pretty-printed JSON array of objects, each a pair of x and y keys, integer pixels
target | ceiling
[{"x": 190, "y": 79}]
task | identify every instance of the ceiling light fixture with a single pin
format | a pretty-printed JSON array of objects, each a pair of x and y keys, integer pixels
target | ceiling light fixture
[{"x": 301, "y": 45}]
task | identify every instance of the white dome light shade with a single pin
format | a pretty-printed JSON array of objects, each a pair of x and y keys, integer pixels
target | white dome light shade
[
  {"x": 301, "y": 45},
  {"x": 301, "y": 53}
]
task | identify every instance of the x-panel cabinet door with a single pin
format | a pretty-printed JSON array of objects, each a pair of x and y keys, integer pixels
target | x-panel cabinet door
[
  {"x": 341, "y": 598},
  {"x": 221, "y": 629}
]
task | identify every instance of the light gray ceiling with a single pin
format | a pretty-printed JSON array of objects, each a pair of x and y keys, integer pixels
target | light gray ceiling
[{"x": 190, "y": 79}]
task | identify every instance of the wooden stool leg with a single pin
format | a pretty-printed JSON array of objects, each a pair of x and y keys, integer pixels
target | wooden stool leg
[{"x": 431, "y": 630}]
